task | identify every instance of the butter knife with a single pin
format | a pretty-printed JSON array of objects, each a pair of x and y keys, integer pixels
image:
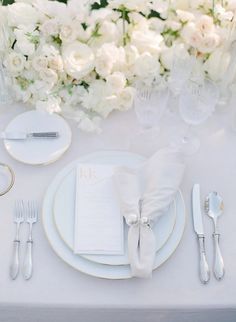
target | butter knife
[
  {"x": 26, "y": 136},
  {"x": 198, "y": 227}
]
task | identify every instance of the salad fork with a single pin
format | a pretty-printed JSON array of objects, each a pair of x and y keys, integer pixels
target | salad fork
[
  {"x": 18, "y": 219},
  {"x": 31, "y": 218}
]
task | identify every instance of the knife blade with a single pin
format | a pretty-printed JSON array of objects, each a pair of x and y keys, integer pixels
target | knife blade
[
  {"x": 26, "y": 136},
  {"x": 198, "y": 228}
]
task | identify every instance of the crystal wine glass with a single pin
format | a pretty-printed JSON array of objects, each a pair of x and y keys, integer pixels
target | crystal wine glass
[
  {"x": 197, "y": 102},
  {"x": 149, "y": 105}
]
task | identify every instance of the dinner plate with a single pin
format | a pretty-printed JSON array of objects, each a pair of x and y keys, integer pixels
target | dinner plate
[
  {"x": 95, "y": 269},
  {"x": 64, "y": 209},
  {"x": 38, "y": 151}
]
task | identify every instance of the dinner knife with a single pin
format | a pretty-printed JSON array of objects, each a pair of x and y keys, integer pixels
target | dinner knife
[
  {"x": 198, "y": 227},
  {"x": 26, "y": 136}
]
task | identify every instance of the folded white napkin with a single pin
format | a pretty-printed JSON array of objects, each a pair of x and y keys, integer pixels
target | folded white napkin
[{"x": 144, "y": 195}]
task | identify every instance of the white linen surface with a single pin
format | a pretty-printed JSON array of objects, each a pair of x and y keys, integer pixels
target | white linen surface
[{"x": 144, "y": 196}]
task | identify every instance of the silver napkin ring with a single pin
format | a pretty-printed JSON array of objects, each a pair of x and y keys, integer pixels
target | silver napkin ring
[
  {"x": 12, "y": 174},
  {"x": 134, "y": 220}
]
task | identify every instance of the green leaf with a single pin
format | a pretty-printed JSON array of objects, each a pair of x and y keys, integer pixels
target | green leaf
[
  {"x": 99, "y": 5},
  {"x": 155, "y": 14}
]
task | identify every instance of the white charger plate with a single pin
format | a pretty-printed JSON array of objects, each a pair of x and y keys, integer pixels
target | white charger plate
[
  {"x": 38, "y": 151},
  {"x": 64, "y": 209},
  {"x": 91, "y": 268}
]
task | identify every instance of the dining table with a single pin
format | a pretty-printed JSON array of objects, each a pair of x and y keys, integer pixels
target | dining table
[{"x": 174, "y": 293}]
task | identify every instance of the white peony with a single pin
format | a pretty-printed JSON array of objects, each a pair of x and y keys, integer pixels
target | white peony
[
  {"x": 16, "y": 62},
  {"x": 78, "y": 59},
  {"x": 146, "y": 40},
  {"x": 146, "y": 66},
  {"x": 21, "y": 13}
]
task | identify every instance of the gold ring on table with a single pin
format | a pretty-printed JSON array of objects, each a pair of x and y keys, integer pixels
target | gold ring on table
[{"x": 9, "y": 169}]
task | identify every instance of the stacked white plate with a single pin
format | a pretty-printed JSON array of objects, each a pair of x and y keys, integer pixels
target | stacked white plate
[{"x": 58, "y": 221}]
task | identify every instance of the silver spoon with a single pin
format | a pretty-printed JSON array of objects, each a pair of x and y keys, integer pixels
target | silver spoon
[{"x": 214, "y": 207}]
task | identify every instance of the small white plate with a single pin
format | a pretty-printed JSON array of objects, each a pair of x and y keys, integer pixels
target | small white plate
[
  {"x": 91, "y": 268},
  {"x": 64, "y": 210},
  {"x": 38, "y": 151}
]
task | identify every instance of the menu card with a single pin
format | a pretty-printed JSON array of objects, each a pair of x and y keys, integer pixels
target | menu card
[{"x": 98, "y": 221}]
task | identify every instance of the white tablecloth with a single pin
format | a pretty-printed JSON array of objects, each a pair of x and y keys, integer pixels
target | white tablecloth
[{"x": 58, "y": 293}]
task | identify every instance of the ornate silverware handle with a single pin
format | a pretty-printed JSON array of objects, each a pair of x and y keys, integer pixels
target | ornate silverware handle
[
  {"x": 28, "y": 262},
  {"x": 203, "y": 265},
  {"x": 14, "y": 268},
  {"x": 44, "y": 135},
  {"x": 219, "y": 269}
]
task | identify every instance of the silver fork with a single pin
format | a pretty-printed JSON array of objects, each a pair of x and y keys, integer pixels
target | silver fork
[
  {"x": 18, "y": 219},
  {"x": 31, "y": 218}
]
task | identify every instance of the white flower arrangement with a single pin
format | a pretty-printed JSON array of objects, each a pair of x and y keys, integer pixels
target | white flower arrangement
[{"x": 82, "y": 59}]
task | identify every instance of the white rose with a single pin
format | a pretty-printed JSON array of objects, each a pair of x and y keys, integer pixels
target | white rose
[
  {"x": 109, "y": 31},
  {"x": 185, "y": 16},
  {"x": 39, "y": 63},
  {"x": 126, "y": 98},
  {"x": 16, "y": 62},
  {"x": 50, "y": 27},
  {"x": 116, "y": 82},
  {"x": 48, "y": 75},
  {"x": 209, "y": 43},
  {"x": 104, "y": 65},
  {"x": 217, "y": 64},
  {"x": 205, "y": 24},
  {"x": 21, "y": 13},
  {"x": 146, "y": 40},
  {"x": 51, "y": 105},
  {"x": 191, "y": 35},
  {"x": 78, "y": 59},
  {"x": 56, "y": 63},
  {"x": 68, "y": 33},
  {"x": 132, "y": 54}
]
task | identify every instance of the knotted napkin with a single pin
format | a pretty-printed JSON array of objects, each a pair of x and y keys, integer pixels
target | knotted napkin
[{"x": 145, "y": 194}]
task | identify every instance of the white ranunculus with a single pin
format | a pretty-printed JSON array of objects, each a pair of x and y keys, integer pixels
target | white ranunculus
[
  {"x": 48, "y": 75},
  {"x": 78, "y": 59},
  {"x": 217, "y": 64},
  {"x": 50, "y": 27},
  {"x": 16, "y": 62},
  {"x": 21, "y": 13},
  {"x": 126, "y": 98},
  {"x": 146, "y": 40},
  {"x": 209, "y": 43},
  {"x": 51, "y": 105},
  {"x": 39, "y": 63},
  {"x": 116, "y": 82},
  {"x": 68, "y": 33}
]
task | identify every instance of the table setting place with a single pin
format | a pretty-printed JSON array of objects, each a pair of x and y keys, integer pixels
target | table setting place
[{"x": 119, "y": 213}]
